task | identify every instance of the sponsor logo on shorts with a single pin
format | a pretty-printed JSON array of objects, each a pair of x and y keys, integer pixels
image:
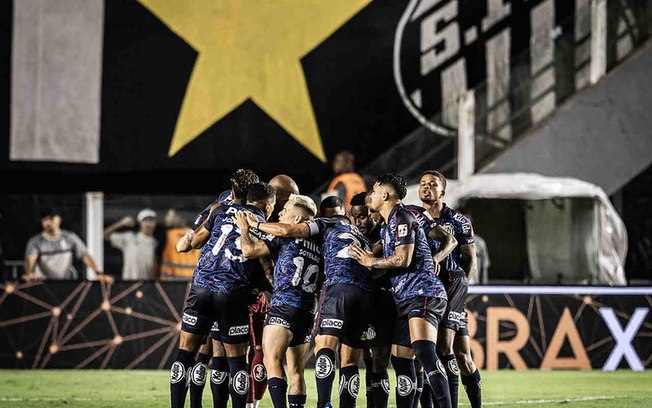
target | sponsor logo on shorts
[
  {"x": 278, "y": 321},
  {"x": 453, "y": 368},
  {"x": 241, "y": 382},
  {"x": 323, "y": 366},
  {"x": 215, "y": 327},
  {"x": 368, "y": 334},
  {"x": 354, "y": 385},
  {"x": 332, "y": 323},
  {"x": 307, "y": 338},
  {"x": 198, "y": 374},
  {"x": 404, "y": 385},
  {"x": 218, "y": 377},
  {"x": 402, "y": 230},
  {"x": 260, "y": 374},
  {"x": 177, "y": 372},
  {"x": 385, "y": 384},
  {"x": 238, "y": 330},
  {"x": 456, "y": 317},
  {"x": 189, "y": 320}
]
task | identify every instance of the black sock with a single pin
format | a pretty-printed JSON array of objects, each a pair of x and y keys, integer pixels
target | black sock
[
  {"x": 368, "y": 374},
  {"x": 179, "y": 377},
  {"x": 278, "y": 389},
  {"x": 453, "y": 374},
  {"x": 405, "y": 381},
  {"x": 434, "y": 370},
  {"x": 324, "y": 375},
  {"x": 426, "y": 396},
  {"x": 418, "y": 390},
  {"x": 349, "y": 386},
  {"x": 297, "y": 401},
  {"x": 220, "y": 381},
  {"x": 197, "y": 380},
  {"x": 473, "y": 386},
  {"x": 380, "y": 389},
  {"x": 239, "y": 380}
]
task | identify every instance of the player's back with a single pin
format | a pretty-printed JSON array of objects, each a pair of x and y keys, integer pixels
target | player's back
[{"x": 221, "y": 266}]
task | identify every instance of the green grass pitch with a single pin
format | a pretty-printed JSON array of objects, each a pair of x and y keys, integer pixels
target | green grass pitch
[{"x": 126, "y": 388}]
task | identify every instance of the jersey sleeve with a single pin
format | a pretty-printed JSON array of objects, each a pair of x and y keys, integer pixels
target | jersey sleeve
[
  {"x": 317, "y": 226},
  {"x": 273, "y": 243},
  {"x": 211, "y": 220},
  {"x": 32, "y": 247},
  {"x": 405, "y": 228},
  {"x": 463, "y": 230},
  {"x": 424, "y": 219},
  {"x": 203, "y": 215},
  {"x": 119, "y": 239},
  {"x": 78, "y": 244}
]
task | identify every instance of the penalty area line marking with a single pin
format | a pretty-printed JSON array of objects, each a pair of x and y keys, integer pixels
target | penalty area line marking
[{"x": 551, "y": 401}]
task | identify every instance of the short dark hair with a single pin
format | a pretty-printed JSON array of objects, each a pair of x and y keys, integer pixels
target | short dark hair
[
  {"x": 240, "y": 182},
  {"x": 397, "y": 182},
  {"x": 331, "y": 202},
  {"x": 359, "y": 199},
  {"x": 50, "y": 211},
  {"x": 436, "y": 174},
  {"x": 260, "y": 192}
]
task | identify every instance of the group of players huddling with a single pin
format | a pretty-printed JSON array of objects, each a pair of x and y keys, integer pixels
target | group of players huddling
[{"x": 386, "y": 281}]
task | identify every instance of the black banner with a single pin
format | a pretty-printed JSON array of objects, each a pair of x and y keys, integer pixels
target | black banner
[{"x": 135, "y": 325}]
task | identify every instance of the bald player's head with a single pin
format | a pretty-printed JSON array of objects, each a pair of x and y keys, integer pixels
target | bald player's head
[{"x": 284, "y": 186}]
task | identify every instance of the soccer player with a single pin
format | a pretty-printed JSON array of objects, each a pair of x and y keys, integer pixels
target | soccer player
[
  {"x": 287, "y": 332},
  {"x": 219, "y": 290},
  {"x": 284, "y": 186},
  {"x": 419, "y": 295},
  {"x": 453, "y": 345},
  {"x": 342, "y": 318},
  {"x": 376, "y": 353},
  {"x": 240, "y": 182},
  {"x": 330, "y": 206}
]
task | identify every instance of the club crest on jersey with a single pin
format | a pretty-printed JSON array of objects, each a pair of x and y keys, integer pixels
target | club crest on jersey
[
  {"x": 259, "y": 373},
  {"x": 189, "y": 320},
  {"x": 241, "y": 382},
  {"x": 177, "y": 372},
  {"x": 332, "y": 323},
  {"x": 278, "y": 321},
  {"x": 323, "y": 366},
  {"x": 404, "y": 385},
  {"x": 218, "y": 377},
  {"x": 238, "y": 330},
  {"x": 198, "y": 374},
  {"x": 402, "y": 230}
]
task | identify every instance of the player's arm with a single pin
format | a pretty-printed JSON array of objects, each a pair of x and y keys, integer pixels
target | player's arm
[
  {"x": 468, "y": 259},
  {"x": 250, "y": 249},
  {"x": 30, "y": 263},
  {"x": 401, "y": 258},
  {"x": 279, "y": 229},
  {"x": 448, "y": 242},
  {"x": 184, "y": 244}
]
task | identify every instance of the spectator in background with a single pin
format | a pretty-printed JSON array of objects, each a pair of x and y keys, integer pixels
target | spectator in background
[
  {"x": 176, "y": 265},
  {"x": 346, "y": 182},
  {"x": 481, "y": 277},
  {"x": 49, "y": 255},
  {"x": 139, "y": 259}
]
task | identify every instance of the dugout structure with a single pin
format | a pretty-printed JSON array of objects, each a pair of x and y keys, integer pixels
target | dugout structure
[{"x": 543, "y": 230}]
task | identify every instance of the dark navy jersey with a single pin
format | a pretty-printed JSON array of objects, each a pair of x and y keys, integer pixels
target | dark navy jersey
[
  {"x": 223, "y": 198},
  {"x": 418, "y": 278},
  {"x": 296, "y": 268},
  {"x": 460, "y": 227},
  {"x": 339, "y": 267},
  {"x": 221, "y": 266},
  {"x": 449, "y": 265}
]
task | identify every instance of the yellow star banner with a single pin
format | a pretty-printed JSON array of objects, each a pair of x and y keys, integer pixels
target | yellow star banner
[{"x": 251, "y": 49}]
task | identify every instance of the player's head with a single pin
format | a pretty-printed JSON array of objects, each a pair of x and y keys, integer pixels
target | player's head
[
  {"x": 330, "y": 206},
  {"x": 262, "y": 196},
  {"x": 360, "y": 213},
  {"x": 343, "y": 162},
  {"x": 297, "y": 208},
  {"x": 50, "y": 219},
  {"x": 389, "y": 188},
  {"x": 374, "y": 214},
  {"x": 240, "y": 182},
  {"x": 284, "y": 186},
  {"x": 432, "y": 186}
]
